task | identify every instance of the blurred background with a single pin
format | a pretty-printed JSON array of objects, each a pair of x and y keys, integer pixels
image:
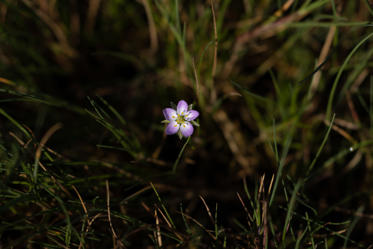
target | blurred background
[{"x": 285, "y": 94}]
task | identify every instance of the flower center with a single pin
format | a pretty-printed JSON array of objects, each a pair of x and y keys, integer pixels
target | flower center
[{"x": 180, "y": 119}]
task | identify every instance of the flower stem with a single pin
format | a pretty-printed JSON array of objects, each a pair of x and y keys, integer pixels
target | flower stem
[{"x": 179, "y": 156}]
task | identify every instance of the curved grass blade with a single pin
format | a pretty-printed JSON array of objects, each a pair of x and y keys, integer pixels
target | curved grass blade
[
  {"x": 336, "y": 81},
  {"x": 18, "y": 125}
]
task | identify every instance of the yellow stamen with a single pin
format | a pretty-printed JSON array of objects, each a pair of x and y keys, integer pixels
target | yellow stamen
[{"x": 180, "y": 119}]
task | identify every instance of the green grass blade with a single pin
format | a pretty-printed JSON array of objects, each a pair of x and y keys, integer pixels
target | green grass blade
[
  {"x": 114, "y": 111},
  {"x": 339, "y": 74},
  {"x": 371, "y": 104},
  {"x": 163, "y": 206},
  {"x": 13, "y": 121},
  {"x": 291, "y": 207},
  {"x": 321, "y": 146},
  {"x": 284, "y": 153},
  {"x": 299, "y": 239},
  {"x": 353, "y": 225},
  {"x": 310, "y": 230},
  {"x": 275, "y": 140}
]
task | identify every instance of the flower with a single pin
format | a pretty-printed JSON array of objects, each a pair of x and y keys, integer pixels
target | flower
[{"x": 181, "y": 120}]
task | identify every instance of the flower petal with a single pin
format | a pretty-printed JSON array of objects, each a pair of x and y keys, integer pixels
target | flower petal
[
  {"x": 191, "y": 115},
  {"x": 172, "y": 128},
  {"x": 182, "y": 107},
  {"x": 186, "y": 129},
  {"x": 170, "y": 114}
]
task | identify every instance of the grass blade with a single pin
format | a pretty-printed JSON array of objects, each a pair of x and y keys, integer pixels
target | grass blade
[
  {"x": 339, "y": 74},
  {"x": 321, "y": 146},
  {"x": 291, "y": 207}
]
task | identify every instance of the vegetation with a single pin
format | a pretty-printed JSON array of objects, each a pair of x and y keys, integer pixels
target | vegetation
[{"x": 282, "y": 156}]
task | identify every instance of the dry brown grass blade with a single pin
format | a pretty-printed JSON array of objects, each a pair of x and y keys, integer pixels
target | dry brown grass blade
[
  {"x": 165, "y": 218},
  {"x": 245, "y": 208},
  {"x": 346, "y": 124},
  {"x": 75, "y": 23},
  {"x": 235, "y": 140},
  {"x": 6, "y": 81},
  {"x": 89, "y": 224},
  {"x": 45, "y": 138},
  {"x": 3, "y": 12},
  {"x": 115, "y": 236},
  {"x": 324, "y": 52},
  {"x": 270, "y": 185},
  {"x": 352, "y": 108},
  {"x": 152, "y": 27},
  {"x": 85, "y": 211},
  {"x": 354, "y": 161},
  {"x": 158, "y": 230},
  {"x": 47, "y": 13},
  {"x": 23, "y": 144},
  {"x": 342, "y": 132},
  {"x": 198, "y": 224},
  {"x": 80, "y": 198},
  {"x": 208, "y": 210},
  {"x": 359, "y": 80},
  {"x": 263, "y": 31},
  {"x": 93, "y": 7},
  {"x": 261, "y": 186},
  {"x": 265, "y": 223},
  {"x": 284, "y": 8},
  {"x": 215, "y": 39},
  {"x": 48, "y": 20},
  {"x": 169, "y": 224}
]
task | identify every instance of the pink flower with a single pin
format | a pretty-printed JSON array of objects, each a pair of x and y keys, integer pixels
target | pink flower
[{"x": 181, "y": 120}]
